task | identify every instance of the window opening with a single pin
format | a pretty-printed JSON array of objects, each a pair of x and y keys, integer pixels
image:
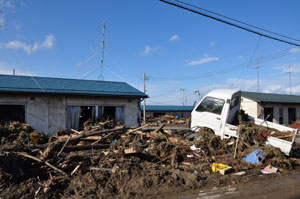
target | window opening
[{"x": 9, "y": 113}]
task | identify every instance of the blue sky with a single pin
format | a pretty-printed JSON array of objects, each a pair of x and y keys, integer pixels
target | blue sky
[{"x": 175, "y": 48}]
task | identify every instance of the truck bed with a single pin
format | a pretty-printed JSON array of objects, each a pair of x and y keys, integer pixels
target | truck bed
[{"x": 284, "y": 145}]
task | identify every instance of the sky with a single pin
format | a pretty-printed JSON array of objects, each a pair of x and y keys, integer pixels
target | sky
[{"x": 181, "y": 53}]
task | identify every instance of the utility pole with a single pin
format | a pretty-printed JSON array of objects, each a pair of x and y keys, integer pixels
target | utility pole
[
  {"x": 182, "y": 89},
  {"x": 144, "y": 111},
  {"x": 257, "y": 73},
  {"x": 290, "y": 78},
  {"x": 198, "y": 93},
  {"x": 102, "y": 54}
]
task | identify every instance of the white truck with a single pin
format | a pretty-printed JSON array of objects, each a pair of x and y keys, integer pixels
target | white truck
[{"x": 217, "y": 111}]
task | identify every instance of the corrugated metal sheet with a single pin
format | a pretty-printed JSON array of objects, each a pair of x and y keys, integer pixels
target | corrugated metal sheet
[
  {"x": 167, "y": 108},
  {"x": 47, "y": 85},
  {"x": 271, "y": 97}
]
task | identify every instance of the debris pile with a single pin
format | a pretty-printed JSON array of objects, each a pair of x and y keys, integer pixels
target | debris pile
[
  {"x": 16, "y": 133},
  {"x": 167, "y": 119},
  {"x": 109, "y": 161}
]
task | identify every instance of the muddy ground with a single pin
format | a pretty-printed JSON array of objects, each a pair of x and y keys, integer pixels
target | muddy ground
[{"x": 275, "y": 186}]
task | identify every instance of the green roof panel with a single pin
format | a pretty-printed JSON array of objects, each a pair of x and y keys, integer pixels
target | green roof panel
[
  {"x": 271, "y": 97},
  {"x": 49, "y": 85}
]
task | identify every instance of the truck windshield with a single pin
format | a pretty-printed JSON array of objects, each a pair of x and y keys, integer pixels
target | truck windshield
[{"x": 212, "y": 105}]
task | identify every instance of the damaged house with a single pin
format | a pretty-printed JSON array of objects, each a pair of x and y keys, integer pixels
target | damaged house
[
  {"x": 51, "y": 104},
  {"x": 280, "y": 108}
]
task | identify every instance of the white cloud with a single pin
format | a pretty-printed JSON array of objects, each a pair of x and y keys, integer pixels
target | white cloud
[
  {"x": 48, "y": 43},
  {"x": 241, "y": 57},
  {"x": 7, "y": 69},
  {"x": 174, "y": 38},
  {"x": 212, "y": 43},
  {"x": 274, "y": 88},
  {"x": 204, "y": 60},
  {"x": 147, "y": 50},
  {"x": 6, "y": 4},
  {"x": 150, "y": 49},
  {"x": 295, "y": 89},
  {"x": 294, "y": 50}
]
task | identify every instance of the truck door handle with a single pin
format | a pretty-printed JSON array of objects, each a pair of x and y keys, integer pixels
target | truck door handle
[{"x": 218, "y": 118}]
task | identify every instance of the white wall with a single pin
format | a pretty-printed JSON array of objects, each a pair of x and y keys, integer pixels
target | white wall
[
  {"x": 249, "y": 106},
  {"x": 47, "y": 113}
]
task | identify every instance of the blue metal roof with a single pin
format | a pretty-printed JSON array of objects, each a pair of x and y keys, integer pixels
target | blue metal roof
[
  {"x": 168, "y": 108},
  {"x": 49, "y": 85}
]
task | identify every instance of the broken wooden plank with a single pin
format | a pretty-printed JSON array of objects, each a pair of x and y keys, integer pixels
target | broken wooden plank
[
  {"x": 136, "y": 129},
  {"x": 41, "y": 161},
  {"x": 65, "y": 144},
  {"x": 76, "y": 168},
  {"x": 159, "y": 128}
]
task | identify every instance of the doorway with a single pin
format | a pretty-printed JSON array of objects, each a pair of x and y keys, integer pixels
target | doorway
[
  {"x": 292, "y": 115},
  {"x": 268, "y": 112}
]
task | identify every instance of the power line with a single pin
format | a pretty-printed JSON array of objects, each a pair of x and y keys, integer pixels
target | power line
[
  {"x": 229, "y": 69},
  {"x": 251, "y": 59},
  {"x": 167, "y": 102},
  {"x": 230, "y": 23},
  {"x": 237, "y": 21}
]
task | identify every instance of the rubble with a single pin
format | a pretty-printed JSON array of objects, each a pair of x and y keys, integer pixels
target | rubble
[{"x": 109, "y": 161}]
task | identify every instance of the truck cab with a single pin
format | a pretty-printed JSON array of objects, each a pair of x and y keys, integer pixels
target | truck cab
[{"x": 215, "y": 110}]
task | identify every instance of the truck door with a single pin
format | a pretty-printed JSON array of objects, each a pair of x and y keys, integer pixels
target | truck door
[
  {"x": 235, "y": 105},
  {"x": 208, "y": 114}
]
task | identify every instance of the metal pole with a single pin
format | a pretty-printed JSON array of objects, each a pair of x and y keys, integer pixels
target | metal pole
[
  {"x": 182, "y": 89},
  {"x": 290, "y": 79},
  {"x": 144, "y": 111},
  {"x": 198, "y": 93},
  {"x": 257, "y": 71},
  {"x": 102, "y": 54}
]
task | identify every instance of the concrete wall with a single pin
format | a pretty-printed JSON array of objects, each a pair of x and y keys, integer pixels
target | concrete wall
[
  {"x": 285, "y": 107},
  {"x": 250, "y": 107},
  {"x": 255, "y": 109},
  {"x": 47, "y": 113}
]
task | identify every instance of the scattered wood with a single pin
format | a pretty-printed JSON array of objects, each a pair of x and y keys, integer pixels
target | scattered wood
[
  {"x": 39, "y": 160},
  {"x": 61, "y": 150},
  {"x": 136, "y": 129},
  {"x": 76, "y": 168},
  {"x": 159, "y": 128}
]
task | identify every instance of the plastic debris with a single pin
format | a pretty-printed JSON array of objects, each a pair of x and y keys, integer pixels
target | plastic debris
[
  {"x": 221, "y": 168},
  {"x": 194, "y": 148},
  {"x": 269, "y": 169},
  {"x": 255, "y": 157}
]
